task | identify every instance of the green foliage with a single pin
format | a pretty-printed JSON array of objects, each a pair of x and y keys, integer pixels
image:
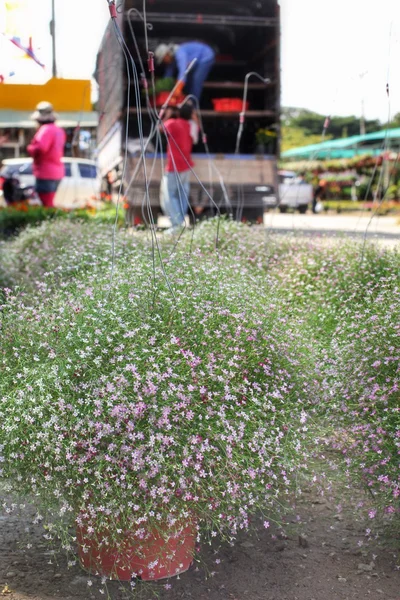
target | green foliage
[
  {"x": 13, "y": 220},
  {"x": 361, "y": 163},
  {"x": 364, "y": 169},
  {"x": 107, "y": 214},
  {"x": 264, "y": 136},
  {"x": 296, "y": 137},
  {"x": 395, "y": 122},
  {"x": 165, "y": 84},
  {"x": 312, "y": 123}
]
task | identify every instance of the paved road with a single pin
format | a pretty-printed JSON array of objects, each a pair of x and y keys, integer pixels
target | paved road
[
  {"x": 355, "y": 226},
  {"x": 352, "y": 225}
]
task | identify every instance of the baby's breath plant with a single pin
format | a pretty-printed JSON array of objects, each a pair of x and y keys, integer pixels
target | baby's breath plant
[
  {"x": 192, "y": 391},
  {"x": 364, "y": 397},
  {"x": 55, "y": 251},
  {"x": 129, "y": 406}
]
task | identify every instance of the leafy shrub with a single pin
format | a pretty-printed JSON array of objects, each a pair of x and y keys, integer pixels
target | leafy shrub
[
  {"x": 164, "y": 84},
  {"x": 13, "y": 220}
]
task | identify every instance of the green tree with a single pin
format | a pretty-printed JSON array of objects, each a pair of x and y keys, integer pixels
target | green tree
[
  {"x": 295, "y": 137},
  {"x": 395, "y": 122},
  {"x": 313, "y": 123}
]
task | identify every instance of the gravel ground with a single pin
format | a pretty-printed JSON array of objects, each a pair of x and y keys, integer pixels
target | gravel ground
[{"x": 323, "y": 555}]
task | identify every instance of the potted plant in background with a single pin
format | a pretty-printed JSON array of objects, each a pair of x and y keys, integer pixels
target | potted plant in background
[
  {"x": 163, "y": 88},
  {"x": 265, "y": 139},
  {"x": 151, "y": 412}
]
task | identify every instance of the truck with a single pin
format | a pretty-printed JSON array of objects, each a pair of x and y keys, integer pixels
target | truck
[{"x": 233, "y": 173}]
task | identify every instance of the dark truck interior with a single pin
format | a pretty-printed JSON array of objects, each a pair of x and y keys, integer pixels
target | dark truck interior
[{"x": 245, "y": 37}]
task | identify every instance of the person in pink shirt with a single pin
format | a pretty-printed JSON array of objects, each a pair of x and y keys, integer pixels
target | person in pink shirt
[{"x": 47, "y": 149}]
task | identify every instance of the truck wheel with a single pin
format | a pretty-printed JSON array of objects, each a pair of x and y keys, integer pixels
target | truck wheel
[
  {"x": 283, "y": 209},
  {"x": 253, "y": 215},
  {"x": 303, "y": 209},
  {"x": 135, "y": 216}
]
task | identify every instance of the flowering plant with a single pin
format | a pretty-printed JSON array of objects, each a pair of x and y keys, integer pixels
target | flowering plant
[
  {"x": 129, "y": 407},
  {"x": 183, "y": 393},
  {"x": 363, "y": 397},
  {"x": 263, "y": 136},
  {"x": 52, "y": 253},
  {"x": 349, "y": 294}
]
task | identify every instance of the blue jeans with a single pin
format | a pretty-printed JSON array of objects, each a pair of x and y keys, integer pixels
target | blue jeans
[
  {"x": 47, "y": 186},
  {"x": 176, "y": 201},
  {"x": 196, "y": 79},
  {"x": 46, "y": 190}
]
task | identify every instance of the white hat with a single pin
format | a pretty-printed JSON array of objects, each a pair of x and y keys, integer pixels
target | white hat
[
  {"x": 44, "y": 112},
  {"x": 162, "y": 50}
]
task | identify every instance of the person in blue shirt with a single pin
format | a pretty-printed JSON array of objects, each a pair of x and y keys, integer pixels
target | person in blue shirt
[{"x": 177, "y": 58}]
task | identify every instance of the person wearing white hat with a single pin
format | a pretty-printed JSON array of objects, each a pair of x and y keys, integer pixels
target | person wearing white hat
[
  {"x": 177, "y": 58},
  {"x": 47, "y": 150}
]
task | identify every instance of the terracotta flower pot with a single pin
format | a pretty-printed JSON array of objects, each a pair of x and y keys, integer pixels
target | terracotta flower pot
[{"x": 156, "y": 556}]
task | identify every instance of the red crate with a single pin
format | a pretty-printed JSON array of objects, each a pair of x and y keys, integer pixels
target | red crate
[{"x": 229, "y": 104}]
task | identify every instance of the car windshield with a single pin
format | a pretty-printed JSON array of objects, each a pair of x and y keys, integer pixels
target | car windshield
[
  {"x": 87, "y": 171},
  {"x": 25, "y": 168},
  {"x": 18, "y": 168}
]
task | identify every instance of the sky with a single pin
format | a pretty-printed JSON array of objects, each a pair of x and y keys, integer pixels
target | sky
[{"x": 336, "y": 55}]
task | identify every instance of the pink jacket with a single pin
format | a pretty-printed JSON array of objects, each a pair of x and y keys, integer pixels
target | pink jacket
[{"x": 47, "y": 149}]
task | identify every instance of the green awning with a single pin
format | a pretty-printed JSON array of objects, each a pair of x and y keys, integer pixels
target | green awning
[{"x": 345, "y": 147}]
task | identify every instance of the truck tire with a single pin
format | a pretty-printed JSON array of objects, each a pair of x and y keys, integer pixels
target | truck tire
[
  {"x": 135, "y": 216},
  {"x": 252, "y": 215},
  {"x": 283, "y": 209},
  {"x": 303, "y": 209}
]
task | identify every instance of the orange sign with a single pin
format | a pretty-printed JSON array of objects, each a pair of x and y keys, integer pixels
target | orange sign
[{"x": 66, "y": 95}]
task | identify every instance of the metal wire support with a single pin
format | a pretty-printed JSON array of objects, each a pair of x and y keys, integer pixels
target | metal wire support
[
  {"x": 327, "y": 122},
  {"x": 141, "y": 17},
  {"x": 242, "y": 115}
]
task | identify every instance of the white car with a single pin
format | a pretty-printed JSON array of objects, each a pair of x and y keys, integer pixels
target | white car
[
  {"x": 294, "y": 193},
  {"x": 80, "y": 186}
]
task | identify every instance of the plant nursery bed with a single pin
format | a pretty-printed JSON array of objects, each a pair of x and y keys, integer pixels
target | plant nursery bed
[{"x": 323, "y": 554}]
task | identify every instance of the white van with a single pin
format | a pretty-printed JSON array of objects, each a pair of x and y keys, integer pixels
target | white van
[{"x": 80, "y": 186}]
